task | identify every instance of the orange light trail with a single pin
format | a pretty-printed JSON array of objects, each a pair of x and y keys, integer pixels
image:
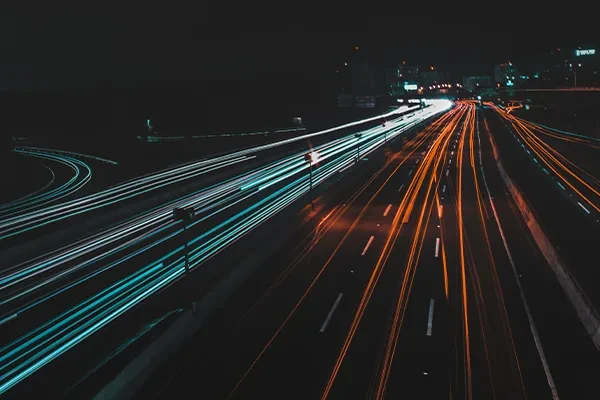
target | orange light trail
[
  {"x": 463, "y": 272},
  {"x": 567, "y": 171},
  {"x": 503, "y": 313},
  {"x": 416, "y": 143},
  {"x": 404, "y": 209}
]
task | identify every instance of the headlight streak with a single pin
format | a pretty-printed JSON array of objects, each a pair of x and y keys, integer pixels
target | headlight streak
[
  {"x": 23, "y": 223},
  {"x": 130, "y": 188},
  {"x": 132, "y": 228},
  {"x": 82, "y": 174},
  {"x": 32, "y": 351}
]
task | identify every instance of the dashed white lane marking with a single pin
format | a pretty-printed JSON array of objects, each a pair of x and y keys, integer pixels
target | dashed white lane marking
[
  {"x": 387, "y": 210},
  {"x": 430, "y": 318},
  {"x": 335, "y": 304},
  {"x": 367, "y": 246}
]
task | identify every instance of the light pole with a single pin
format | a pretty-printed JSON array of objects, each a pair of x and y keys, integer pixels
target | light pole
[
  {"x": 309, "y": 158},
  {"x": 185, "y": 215},
  {"x": 357, "y": 136},
  {"x": 149, "y": 126}
]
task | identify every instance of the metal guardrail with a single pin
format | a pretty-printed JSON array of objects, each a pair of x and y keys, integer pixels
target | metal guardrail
[
  {"x": 217, "y": 135},
  {"x": 69, "y": 153}
]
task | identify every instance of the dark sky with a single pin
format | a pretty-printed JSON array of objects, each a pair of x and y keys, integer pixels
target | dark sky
[{"x": 48, "y": 51}]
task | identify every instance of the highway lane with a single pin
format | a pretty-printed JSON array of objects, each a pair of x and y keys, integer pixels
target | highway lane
[
  {"x": 135, "y": 282},
  {"x": 582, "y": 185},
  {"x": 130, "y": 198},
  {"x": 573, "y": 232},
  {"x": 495, "y": 336},
  {"x": 395, "y": 309},
  {"x": 568, "y": 350},
  {"x": 345, "y": 273},
  {"x": 402, "y": 342}
]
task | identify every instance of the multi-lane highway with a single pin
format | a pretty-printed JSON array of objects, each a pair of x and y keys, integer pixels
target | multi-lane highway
[
  {"x": 125, "y": 200},
  {"x": 419, "y": 280},
  {"x": 418, "y": 276},
  {"x": 52, "y": 303},
  {"x": 547, "y": 148}
]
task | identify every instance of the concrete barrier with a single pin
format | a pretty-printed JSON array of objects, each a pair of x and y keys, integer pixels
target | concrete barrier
[{"x": 585, "y": 310}]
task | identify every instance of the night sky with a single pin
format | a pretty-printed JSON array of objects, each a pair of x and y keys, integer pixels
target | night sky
[{"x": 44, "y": 51}]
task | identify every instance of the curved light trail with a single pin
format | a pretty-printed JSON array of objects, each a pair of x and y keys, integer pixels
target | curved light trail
[{"x": 81, "y": 175}]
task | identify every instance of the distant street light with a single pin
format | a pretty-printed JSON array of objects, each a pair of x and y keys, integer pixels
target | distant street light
[
  {"x": 185, "y": 215},
  {"x": 311, "y": 158},
  {"x": 357, "y": 136}
]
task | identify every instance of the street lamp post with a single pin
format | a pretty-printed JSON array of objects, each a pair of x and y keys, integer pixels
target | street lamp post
[
  {"x": 308, "y": 157},
  {"x": 185, "y": 215},
  {"x": 357, "y": 136}
]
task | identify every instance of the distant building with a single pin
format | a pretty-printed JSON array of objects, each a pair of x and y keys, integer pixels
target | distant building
[
  {"x": 362, "y": 79},
  {"x": 473, "y": 83},
  {"x": 507, "y": 75},
  {"x": 432, "y": 77},
  {"x": 393, "y": 81},
  {"x": 410, "y": 73},
  {"x": 355, "y": 75},
  {"x": 567, "y": 67}
]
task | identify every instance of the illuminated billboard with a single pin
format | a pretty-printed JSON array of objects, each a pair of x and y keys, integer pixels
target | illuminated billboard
[
  {"x": 586, "y": 52},
  {"x": 410, "y": 86}
]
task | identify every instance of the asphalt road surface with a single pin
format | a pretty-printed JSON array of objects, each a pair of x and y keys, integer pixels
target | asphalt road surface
[{"x": 423, "y": 282}]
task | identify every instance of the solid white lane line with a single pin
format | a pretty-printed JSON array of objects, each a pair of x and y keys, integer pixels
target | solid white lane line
[
  {"x": 335, "y": 304},
  {"x": 387, "y": 210},
  {"x": 444, "y": 189},
  {"x": 430, "y": 318},
  {"x": 401, "y": 186},
  {"x": 582, "y": 206},
  {"x": 367, "y": 246},
  {"x": 437, "y": 247}
]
